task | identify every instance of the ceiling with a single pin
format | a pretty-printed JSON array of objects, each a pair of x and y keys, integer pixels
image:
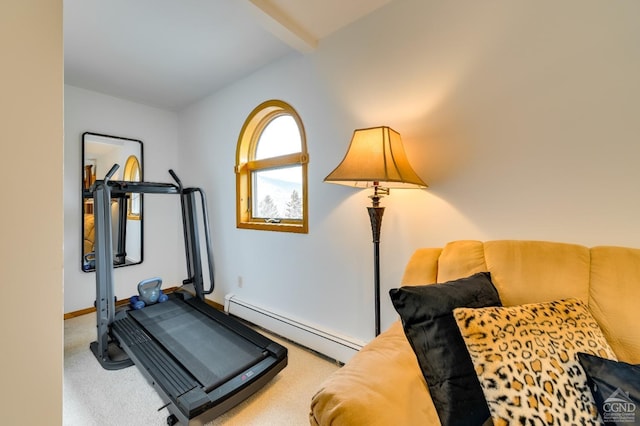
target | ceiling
[{"x": 169, "y": 53}]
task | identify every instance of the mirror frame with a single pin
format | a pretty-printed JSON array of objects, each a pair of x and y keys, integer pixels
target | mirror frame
[{"x": 123, "y": 205}]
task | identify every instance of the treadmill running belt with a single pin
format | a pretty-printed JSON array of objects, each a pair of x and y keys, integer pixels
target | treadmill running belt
[{"x": 208, "y": 350}]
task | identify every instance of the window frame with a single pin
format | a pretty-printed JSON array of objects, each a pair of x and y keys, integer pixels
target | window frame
[
  {"x": 246, "y": 164},
  {"x": 134, "y": 201}
]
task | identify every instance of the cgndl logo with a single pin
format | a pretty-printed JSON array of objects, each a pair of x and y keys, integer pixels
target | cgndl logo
[{"x": 619, "y": 407}]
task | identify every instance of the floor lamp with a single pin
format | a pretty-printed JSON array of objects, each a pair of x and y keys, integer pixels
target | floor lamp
[{"x": 376, "y": 159}]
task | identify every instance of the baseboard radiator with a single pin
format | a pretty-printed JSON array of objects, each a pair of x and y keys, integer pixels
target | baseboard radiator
[{"x": 324, "y": 342}]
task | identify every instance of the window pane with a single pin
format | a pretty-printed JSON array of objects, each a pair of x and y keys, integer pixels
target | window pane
[
  {"x": 281, "y": 136},
  {"x": 135, "y": 206},
  {"x": 278, "y": 193}
]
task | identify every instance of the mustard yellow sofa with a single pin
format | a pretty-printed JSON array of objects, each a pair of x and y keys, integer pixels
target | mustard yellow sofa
[{"x": 383, "y": 383}]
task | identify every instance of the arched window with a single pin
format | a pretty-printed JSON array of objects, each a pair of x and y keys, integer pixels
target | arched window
[
  {"x": 271, "y": 170},
  {"x": 132, "y": 173}
]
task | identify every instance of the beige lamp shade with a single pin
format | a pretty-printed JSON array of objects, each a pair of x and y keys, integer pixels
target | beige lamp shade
[{"x": 376, "y": 157}]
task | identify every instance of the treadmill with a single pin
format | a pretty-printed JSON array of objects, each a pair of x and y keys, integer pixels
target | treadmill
[{"x": 201, "y": 361}]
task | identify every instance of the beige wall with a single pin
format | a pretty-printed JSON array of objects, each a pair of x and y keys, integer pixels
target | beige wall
[
  {"x": 31, "y": 273},
  {"x": 520, "y": 115}
]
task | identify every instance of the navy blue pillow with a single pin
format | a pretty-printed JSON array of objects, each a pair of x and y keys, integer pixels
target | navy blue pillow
[
  {"x": 427, "y": 318},
  {"x": 615, "y": 386}
]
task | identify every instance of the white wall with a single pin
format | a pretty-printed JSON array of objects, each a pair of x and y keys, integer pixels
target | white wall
[
  {"x": 163, "y": 250},
  {"x": 522, "y": 117},
  {"x": 31, "y": 231}
]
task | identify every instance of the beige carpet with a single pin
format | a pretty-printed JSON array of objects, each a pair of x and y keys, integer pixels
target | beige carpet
[{"x": 97, "y": 397}]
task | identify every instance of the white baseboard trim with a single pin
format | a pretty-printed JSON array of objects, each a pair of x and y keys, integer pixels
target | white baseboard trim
[{"x": 326, "y": 342}]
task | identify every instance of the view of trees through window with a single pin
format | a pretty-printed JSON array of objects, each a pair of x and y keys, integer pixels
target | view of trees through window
[{"x": 277, "y": 194}]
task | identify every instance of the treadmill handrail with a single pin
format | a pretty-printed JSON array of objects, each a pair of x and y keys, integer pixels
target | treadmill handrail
[
  {"x": 207, "y": 238},
  {"x": 189, "y": 211},
  {"x": 119, "y": 187}
]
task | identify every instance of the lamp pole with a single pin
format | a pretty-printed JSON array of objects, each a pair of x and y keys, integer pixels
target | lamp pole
[{"x": 375, "y": 216}]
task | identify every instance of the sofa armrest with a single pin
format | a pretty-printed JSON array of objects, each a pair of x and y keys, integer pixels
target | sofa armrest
[{"x": 381, "y": 385}]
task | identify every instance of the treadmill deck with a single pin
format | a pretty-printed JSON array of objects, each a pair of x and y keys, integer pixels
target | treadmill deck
[{"x": 201, "y": 361}]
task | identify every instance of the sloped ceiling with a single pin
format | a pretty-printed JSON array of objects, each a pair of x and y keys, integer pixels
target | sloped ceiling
[{"x": 169, "y": 53}]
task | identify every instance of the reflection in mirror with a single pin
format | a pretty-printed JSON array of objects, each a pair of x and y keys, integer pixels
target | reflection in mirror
[{"x": 99, "y": 154}]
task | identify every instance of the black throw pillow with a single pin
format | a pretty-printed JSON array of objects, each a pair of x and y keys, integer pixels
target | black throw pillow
[
  {"x": 615, "y": 387},
  {"x": 427, "y": 318}
]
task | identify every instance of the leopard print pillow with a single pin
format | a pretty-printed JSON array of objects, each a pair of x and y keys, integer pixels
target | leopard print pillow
[{"x": 526, "y": 360}]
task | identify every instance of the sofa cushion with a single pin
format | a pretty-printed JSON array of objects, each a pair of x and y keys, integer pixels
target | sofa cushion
[
  {"x": 422, "y": 267},
  {"x": 526, "y": 359},
  {"x": 613, "y": 298},
  {"x": 538, "y": 271},
  {"x": 615, "y": 386},
  {"x": 460, "y": 259},
  {"x": 427, "y": 317},
  {"x": 380, "y": 385}
]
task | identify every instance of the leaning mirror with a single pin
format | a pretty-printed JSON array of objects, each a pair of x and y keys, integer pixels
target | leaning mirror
[{"x": 99, "y": 154}]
